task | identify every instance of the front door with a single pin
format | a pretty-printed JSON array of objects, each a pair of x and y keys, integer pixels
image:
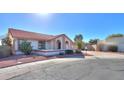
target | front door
[{"x": 58, "y": 44}]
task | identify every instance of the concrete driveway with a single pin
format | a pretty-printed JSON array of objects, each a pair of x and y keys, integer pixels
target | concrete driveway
[{"x": 90, "y": 68}]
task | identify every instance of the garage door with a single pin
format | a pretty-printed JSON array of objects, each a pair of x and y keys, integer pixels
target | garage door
[{"x": 121, "y": 47}]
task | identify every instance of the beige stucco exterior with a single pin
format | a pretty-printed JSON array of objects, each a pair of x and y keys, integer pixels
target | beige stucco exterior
[
  {"x": 49, "y": 45},
  {"x": 52, "y": 44},
  {"x": 118, "y": 41}
]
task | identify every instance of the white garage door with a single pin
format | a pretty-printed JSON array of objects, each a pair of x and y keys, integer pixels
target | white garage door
[{"x": 121, "y": 47}]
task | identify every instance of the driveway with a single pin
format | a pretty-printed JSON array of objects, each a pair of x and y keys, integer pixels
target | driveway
[
  {"x": 90, "y": 68},
  {"x": 106, "y": 54}
]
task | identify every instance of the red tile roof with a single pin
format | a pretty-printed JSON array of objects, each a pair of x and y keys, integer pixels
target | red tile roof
[
  {"x": 21, "y": 34},
  {"x": 16, "y": 33}
]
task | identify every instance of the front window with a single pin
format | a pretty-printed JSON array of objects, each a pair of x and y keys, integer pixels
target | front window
[
  {"x": 41, "y": 45},
  {"x": 19, "y": 43}
]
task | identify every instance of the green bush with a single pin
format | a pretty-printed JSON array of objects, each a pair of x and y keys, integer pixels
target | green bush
[
  {"x": 69, "y": 52},
  {"x": 113, "y": 48},
  {"x": 26, "y": 47},
  {"x": 78, "y": 51},
  {"x": 61, "y": 53},
  {"x": 5, "y": 51}
]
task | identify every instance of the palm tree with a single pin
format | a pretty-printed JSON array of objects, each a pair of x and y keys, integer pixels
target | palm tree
[
  {"x": 93, "y": 41},
  {"x": 78, "y": 41},
  {"x": 78, "y": 37}
]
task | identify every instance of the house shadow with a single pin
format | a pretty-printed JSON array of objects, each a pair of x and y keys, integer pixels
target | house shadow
[{"x": 72, "y": 56}]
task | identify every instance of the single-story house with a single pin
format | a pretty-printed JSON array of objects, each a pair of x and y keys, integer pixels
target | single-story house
[
  {"x": 41, "y": 43},
  {"x": 116, "y": 41},
  {"x": 91, "y": 47}
]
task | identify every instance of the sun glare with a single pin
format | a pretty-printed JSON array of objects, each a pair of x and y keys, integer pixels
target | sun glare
[{"x": 43, "y": 14}]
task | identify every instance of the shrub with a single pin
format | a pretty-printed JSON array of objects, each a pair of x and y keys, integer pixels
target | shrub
[
  {"x": 79, "y": 44},
  {"x": 113, "y": 48},
  {"x": 77, "y": 51},
  {"x": 61, "y": 53},
  {"x": 5, "y": 51},
  {"x": 26, "y": 47},
  {"x": 69, "y": 52}
]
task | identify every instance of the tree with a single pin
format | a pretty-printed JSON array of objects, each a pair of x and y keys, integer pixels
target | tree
[
  {"x": 26, "y": 47},
  {"x": 78, "y": 37},
  {"x": 79, "y": 41},
  {"x": 79, "y": 44},
  {"x": 93, "y": 41},
  {"x": 114, "y": 35},
  {"x": 7, "y": 41}
]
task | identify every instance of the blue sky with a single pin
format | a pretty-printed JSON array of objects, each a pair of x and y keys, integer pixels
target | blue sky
[{"x": 91, "y": 26}]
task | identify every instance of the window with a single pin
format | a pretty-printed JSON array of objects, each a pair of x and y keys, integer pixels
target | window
[
  {"x": 41, "y": 45},
  {"x": 19, "y": 44}
]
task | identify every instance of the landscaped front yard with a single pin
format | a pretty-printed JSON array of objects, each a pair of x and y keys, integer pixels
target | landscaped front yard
[
  {"x": 21, "y": 59},
  {"x": 15, "y": 60}
]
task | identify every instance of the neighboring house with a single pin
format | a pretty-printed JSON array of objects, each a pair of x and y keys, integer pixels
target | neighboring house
[
  {"x": 91, "y": 47},
  {"x": 0, "y": 42},
  {"x": 1, "y": 38},
  {"x": 41, "y": 43},
  {"x": 117, "y": 41}
]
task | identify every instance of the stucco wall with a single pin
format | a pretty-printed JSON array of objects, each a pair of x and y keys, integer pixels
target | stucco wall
[
  {"x": 63, "y": 40},
  {"x": 70, "y": 45},
  {"x": 121, "y": 47},
  {"x": 116, "y": 40},
  {"x": 53, "y": 43},
  {"x": 105, "y": 47},
  {"x": 119, "y": 42}
]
